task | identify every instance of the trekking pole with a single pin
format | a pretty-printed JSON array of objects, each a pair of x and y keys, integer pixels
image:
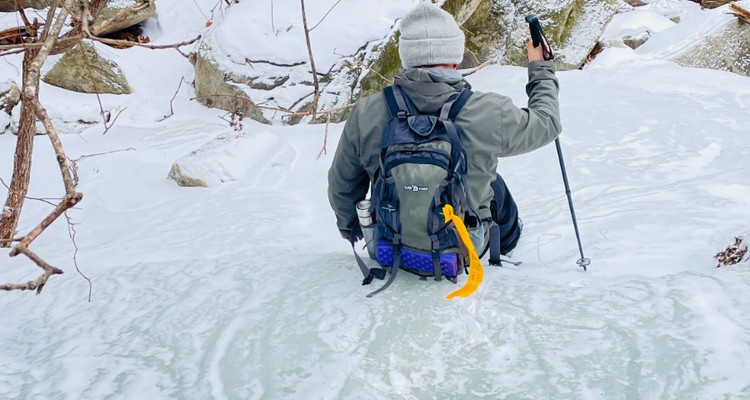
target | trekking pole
[{"x": 538, "y": 38}]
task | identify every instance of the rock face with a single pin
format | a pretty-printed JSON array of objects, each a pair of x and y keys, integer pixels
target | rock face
[
  {"x": 10, "y": 5},
  {"x": 484, "y": 25},
  {"x": 218, "y": 89},
  {"x": 496, "y": 29},
  {"x": 266, "y": 84},
  {"x": 572, "y": 26},
  {"x": 82, "y": 69}
]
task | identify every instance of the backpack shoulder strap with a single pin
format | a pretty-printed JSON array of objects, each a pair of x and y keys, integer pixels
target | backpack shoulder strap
[
  {"x": 398, "y": 106},
  {"x": 452, "y": 107},
  {"x": 463, "y": 97},
  {"x": 390, "y": 100}
]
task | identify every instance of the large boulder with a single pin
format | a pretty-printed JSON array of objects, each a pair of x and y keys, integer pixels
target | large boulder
[
  {"x": 10, "y": 5},
  {"x": 82, "y": 69}
]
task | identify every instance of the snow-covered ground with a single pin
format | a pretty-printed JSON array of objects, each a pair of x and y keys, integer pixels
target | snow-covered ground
[{"x": 245, "y": 290}]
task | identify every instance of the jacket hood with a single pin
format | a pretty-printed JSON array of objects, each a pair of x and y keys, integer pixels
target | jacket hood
[{"x": 428, "y": 89}]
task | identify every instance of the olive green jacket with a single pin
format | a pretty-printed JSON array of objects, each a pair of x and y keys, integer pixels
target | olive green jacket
[{"x": 492, "y": 127}]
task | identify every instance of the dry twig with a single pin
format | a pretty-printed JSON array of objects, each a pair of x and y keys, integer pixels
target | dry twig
[
  {"x": 733, "y": 254},
  {"x": 326, "y": 15},
  {"x": 171, "y": 102},
  {"x": 324, "y": 150}
]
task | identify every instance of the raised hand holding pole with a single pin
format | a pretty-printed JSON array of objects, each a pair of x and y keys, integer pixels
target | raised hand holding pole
[{"x": 538, "y": 39}]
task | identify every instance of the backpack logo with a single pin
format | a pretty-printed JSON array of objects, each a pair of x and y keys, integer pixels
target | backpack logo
[
  {"x": 388, "y": 208},
  {"x": 416, "y": 188}
]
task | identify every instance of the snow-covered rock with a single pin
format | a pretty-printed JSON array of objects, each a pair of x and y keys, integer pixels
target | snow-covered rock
[
  {"x": 10, "y": 95},
  {"x": 4, "y": 122},
  {"x": 718, "y": 40},
  {"x": 120, "y": 14},
  {"x": 634, "y": 28},
  {"x": 272, "y": 78},
  {"x": 232, "y": 156},
  {"x": 572, "y": 26}
]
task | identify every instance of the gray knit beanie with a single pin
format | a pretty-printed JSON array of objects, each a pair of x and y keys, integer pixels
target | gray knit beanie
[{"x": 430, "y": 36}]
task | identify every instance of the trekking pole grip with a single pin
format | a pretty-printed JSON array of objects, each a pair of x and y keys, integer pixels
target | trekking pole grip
[{"x": 537, "y": 36}]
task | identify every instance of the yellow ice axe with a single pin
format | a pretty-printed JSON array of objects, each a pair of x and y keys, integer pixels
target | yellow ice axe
[{"x": 476, "y": 272}]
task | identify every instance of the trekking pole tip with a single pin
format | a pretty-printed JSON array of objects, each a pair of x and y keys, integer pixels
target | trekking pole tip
[{"x": 583, "y": 263}]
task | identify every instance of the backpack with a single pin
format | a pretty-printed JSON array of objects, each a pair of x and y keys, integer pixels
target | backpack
[{"x": 422, "y": 170}]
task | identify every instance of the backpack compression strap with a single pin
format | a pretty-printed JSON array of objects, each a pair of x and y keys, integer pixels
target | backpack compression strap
[
  {"x": 368, "y": 273},
  {"x": 395, "y": 267}
]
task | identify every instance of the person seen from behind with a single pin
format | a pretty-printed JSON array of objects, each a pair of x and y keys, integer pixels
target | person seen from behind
[{"x": 431, "y": 47}]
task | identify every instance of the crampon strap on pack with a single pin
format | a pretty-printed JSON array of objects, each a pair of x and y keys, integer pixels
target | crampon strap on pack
[{"x": 476, "y": 272}]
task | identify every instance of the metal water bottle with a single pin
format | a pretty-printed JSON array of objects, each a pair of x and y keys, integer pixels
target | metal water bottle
[{"x": 367, "y": 223}]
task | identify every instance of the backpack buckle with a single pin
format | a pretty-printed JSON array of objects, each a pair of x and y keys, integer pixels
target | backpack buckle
[
  {"x": 374, "y": 273},
  {"x": 401, "y": 114}
]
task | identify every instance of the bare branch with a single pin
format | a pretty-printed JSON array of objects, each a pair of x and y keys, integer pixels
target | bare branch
[
  {"x": 72, "y": 233},
  {"x": 325, "y": 137},
  {"x": 478, "y": 68},
  {"x": 39, "y": 283},
  {"x": 148, "y": 46},
  {"x": 43, "y": 200},
  {"x": 107, "y": 128},
  {"x": 50, "y": 41},
  {"x": 171, "y": 107},
  {"x": 326, "y": 15},
  {"x": 66, "y": 203},
  {"x": 316, "y": 84},
  {"x": 10, "y": 52},
  {"x": 62, "y": 160},
  {"x": 273, "y": 26},
  {"x": 47, "y": 24},
  {"x": 102, "y": 154}
]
